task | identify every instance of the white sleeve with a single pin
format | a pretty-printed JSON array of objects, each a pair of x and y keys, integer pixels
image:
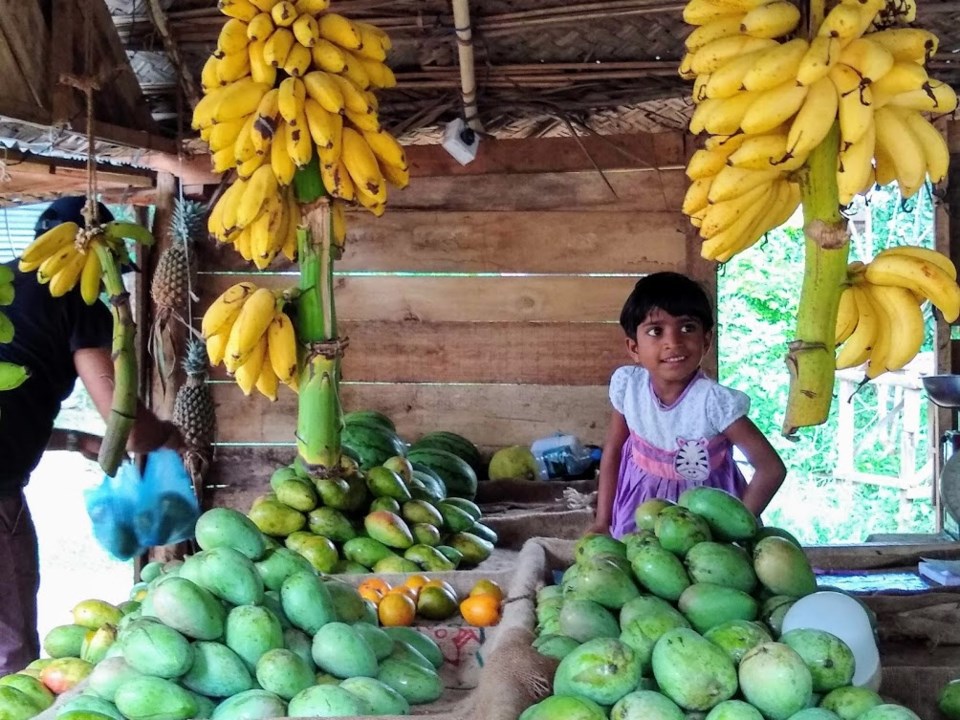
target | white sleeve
[
  {"x": 618, "y": 387},
  {"x": 724, "y": 406}
]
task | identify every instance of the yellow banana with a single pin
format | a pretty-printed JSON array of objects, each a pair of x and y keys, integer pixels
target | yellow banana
[
  {"x": 776, "y": 66},
  {"x": 284, "y": 14},
  {"x": 65, "y": 279},
  {"x": 726, "y": 116},
  {"x": 885, "y": 172},
  {"x": 367, "y": 122},
  {"x": 354, "y": 99},
  {"x": 90, "y": 276},
  {"x": 913, "y": 44},
  {"x": 278, "y": 47},
  {"x": 903, "y": 147},
  {"x": 298, "y": 61},
  {"x": 260, "y": 70},
  {"x": 223, "y": 219},
  {"x": 249, "y": 167},
  {"x": 715, "y": 54},
  {"x": 324, "y": 88},
  {"x": 772, "y": 20},
  {"x": 361, "y": 163},
  {"x": 729, "y": 142},
  {"x": 707, "y": 162},
  {"x": 216, "y": 345},
  {"x": 264, "y": 5},
  {"x": 280, "y": 160},
  {"x": 249, "y": 327},
  {"x": 50, "y": 242},
  {"x": 922, "y": 253},
  {"x": 733, "y": 181},
  {"x": 55, "y": 263},
  {"x": 740, "y": 232},
  {"x": 379, "y": 74},
  {"x": 773, "y": 107},
  {"x": 233, "y": 67},
  {"x": 338, "y": 29},
  {"x": 242, "y": 245},
  {"x": 263, "y": 184},
  {"x": 338, "y": 223},
  {"x": 244, "y": 148},
  {"x": 702, "y": 12},
  {"x": 855, "y": 166},
  {"x": 233, "y": 37},
  {"x": 919, "y": 276},
  {"x": 721, "y": 215},
  {"x": 306, "y": 30},
  {"x": 699, "y": 92},
  {"x": 337, "y": 180},
  {"x": 311, "y": 7},
  {"x": 265, "y": 125},
  {"x": 723, "y": 27},
  {"x": 868, "y": 10},
  {"x": 695, "y": 198},
  {"x": 260, "y": 28},
  {"x": 248, "y": 372},
  {"x": 223, "y": 135},
  {"x": 823, "y": 54},
  {"x": 727, "y": 80},
  {"x": 935, "y": 96},
  {"x": 289, "y": 245},
  {"x": 240, "y": 9},
  {"x": 373, "y": 204},
  {"x": 766, "y": 152},
  {"x": 372, "y": 35},
  {"x": 209, "y": 77},
  {"x": 292, "y": 95},
  {"x": 355, "y": 73},
  {"x": 223, "y": 311},
  {"x": 327, "y": 56},
  {"x": 780, "y": 209},
  {"x": 371, "y": 48},
  {"x": 842, "y": 22},
  {"x": 855, "y": 107},
  {"x": 814, "y": 119},
  {"x": 237, "y": 100},
  {"x": 871, "y": 60},
  {"x": 267, "y": 382},
  {"x": 903, "y": 76},
  {"x": 325, "y": 128},
  {"x": 856, "y": 348},
  {"x": 846, "y": 316},
  {"x": 701, "y": 112},
  {"x": 299, "y": 143},
  {"x": 936, "y": 153},
  {"x": 261, "y": 238},
  {"x": 397, "y": 176},
  {"x": 222, "y": 160},
  {"x": 282, "y": 347},
  {"x": 905, "y": 328}
]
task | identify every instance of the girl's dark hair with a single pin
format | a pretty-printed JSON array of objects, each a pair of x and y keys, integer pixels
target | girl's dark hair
[{"x": 673, "y": 293}]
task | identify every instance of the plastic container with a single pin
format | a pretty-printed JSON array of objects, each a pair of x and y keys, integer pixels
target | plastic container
[{"x": 561, "y": 456}]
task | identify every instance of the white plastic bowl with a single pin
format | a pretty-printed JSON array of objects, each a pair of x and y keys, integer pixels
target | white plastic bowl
[{"x": 844, "y": 617}]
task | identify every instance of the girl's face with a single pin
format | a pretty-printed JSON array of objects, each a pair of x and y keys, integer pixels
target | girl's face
[{"x": 670, "y": 348}]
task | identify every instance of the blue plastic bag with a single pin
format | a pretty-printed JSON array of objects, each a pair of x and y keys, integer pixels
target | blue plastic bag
[{"x": 131, "y": 513}]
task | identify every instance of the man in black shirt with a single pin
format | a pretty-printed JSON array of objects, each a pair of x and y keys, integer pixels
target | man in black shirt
[{"x": 59, "y": 340}]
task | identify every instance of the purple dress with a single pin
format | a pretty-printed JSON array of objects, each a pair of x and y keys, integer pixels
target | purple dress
[{"x": 672, "y": 448}]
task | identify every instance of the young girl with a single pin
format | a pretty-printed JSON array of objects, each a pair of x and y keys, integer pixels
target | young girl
[{"x": 672, "y": 427}]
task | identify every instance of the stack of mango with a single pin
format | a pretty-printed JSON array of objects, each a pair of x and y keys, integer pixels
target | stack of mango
[
  {"x": 419, "y": 596},
  {"x": 685, "y": 616},
  {"x": 393, "y": 510},
  {"x": 238, "y": 631}
]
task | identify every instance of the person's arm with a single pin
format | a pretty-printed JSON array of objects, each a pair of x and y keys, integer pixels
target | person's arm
[
  {"x": 84, "y": 443},
  {"x": 768, "y": 469},
  {"x": 617, "y": 433},
  {"x": 95, "y": 368}
]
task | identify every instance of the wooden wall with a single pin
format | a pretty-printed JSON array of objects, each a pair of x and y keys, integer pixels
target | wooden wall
[{"x": 486, "y": 300}]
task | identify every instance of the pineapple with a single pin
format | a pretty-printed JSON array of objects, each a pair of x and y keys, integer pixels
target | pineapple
[
  {"x": 193, "y": 411},
  {"x": 173, "y": 276}
]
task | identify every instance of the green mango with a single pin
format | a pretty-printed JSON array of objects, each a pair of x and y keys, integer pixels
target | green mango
[
  {"x": 307, "y": 602},
  {"x": 278, "y": 564},
  {"x": 428, "y": 558},
  {"x": 90, "y": 703},
  {"x": 384, "y": 482},
  {"x": 31, "y": 687},
  {"x": 473, "y": 549},
  {"x": 64, "y": 641},
  {"x": 296, "y": 493},
  {"x": 227, "y": 573},
  {"x": 417, "y": 685},
  {"x": 327, "y": 701},
  {"x": 110, "y": 674},
  {"x": 385, "y": 503},
  {"x": 420, "y": 511},
  {"x": 377, "y": 638},
  {"x": 382, "y": 699},
  {"x": 220, "y": 527},
  {"x": 347, "y": 602},
  {"x": 366, "y": 551},
  {"x": 284, "y": 673},
  {"x": 419, "y": 642},
  {"x": 319, "y": 551},
  {"x": 217, "y": 671},
  {"x": 332, "y": 524},
  {"x": 189, "y": 608},
  {"x": 425, "y": 534},
  {"x": 299, "y": 643},
  {"x": 602, "y": 670},
  {"x": 148, "y": 698},
  {"x": 272, "y": 517},
  {"x": 775, "y": 680},
  {"x": 389, "y": 529},
  {"x": 251, "y": 705},
  {"x": 155, "y": 649},
  {"x": 250, "y": 631},
  {"x": 341, "y": 651}
]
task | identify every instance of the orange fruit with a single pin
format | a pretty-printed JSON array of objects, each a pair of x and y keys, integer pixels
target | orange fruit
[
  {"x": 371, "y": 594},
  {"x": 410, "y": 592},
  {"x": 375, "y": 583},
  {"x": 487, "y": 587},
  {"x": 441, "y": 583},
  {"x": 481, "y": 610},
  {"x": 417, "y": 581},
  {"x": 396, "y": 609}
]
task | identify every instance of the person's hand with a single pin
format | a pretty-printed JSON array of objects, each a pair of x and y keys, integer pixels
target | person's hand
[
  {"x": 88, "y": 445},
  {"x": 598, "y": 528}
]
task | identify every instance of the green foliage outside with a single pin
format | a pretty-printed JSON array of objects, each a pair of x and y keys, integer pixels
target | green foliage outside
[{"x": 758, "y": 296}]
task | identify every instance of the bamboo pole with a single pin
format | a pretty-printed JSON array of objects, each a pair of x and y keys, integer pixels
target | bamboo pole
[{"x": 468, "y": 75}]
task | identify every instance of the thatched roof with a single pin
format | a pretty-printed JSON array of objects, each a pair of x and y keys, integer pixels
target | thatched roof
[{"x": 540, "y": 65}]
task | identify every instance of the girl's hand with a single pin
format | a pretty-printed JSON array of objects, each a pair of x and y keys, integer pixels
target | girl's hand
[{"x": 598, "y": 528}]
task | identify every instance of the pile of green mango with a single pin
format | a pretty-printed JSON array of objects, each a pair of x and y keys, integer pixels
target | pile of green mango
[
  {"x": 389, "y": 518},
  {"x": 239, "y": 631},
  {"x": 683, "y": 618}
]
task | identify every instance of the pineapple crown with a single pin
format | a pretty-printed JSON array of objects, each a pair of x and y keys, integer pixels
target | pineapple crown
[
  {"x": 188, "y": 222},
  {"x": 195, "y": 362}
]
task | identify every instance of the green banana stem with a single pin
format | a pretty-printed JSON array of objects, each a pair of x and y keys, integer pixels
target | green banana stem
[
  {"x": 319, "y": 414},
  {"x": 811, "y": 356},
  {"x": 123, "y": 412}
]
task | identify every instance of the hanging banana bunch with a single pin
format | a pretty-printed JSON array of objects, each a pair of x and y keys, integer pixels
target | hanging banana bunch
[
  {"x": 291, "y": 82},
  {"x": 880, "y": 321},
  {"x": 768, "y": 99},
  {"x": 247, "y": 330}
]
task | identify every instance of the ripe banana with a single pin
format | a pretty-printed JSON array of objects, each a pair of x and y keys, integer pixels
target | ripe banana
[
  {"x": 292, "y": 95},
  {"x": 284, "y": 14},
  {"x": 299, "y": 142},
  {"x": 282, "y": 347},
  {"x": 904, "y": 326},
  {"x": 763, "y": 152},
  {"x": 52, "y": 241},
  {"x": 260, "y": 28},
  {"x": 903, "y": 147},
  {"x": 298, "y": 61},
  {"x": 248, "y": 371},
  {"x": 847, "y": 316},
  {"x": 278, "y": 46},
  {"x": 706, "y": 163},
  {"x": 90, "y": 276},
  {"x": 249, "y": 327},
  {"x": 282, "y": 164},
  {"x": 240, "y": 9},
  {"x": 776, "y": 66},
  {"x": 732, "y": 182},
  {"x": 935, "y": 96},
  {"x": 855, "y": 167},
  {"x": 919, "y": 276},
  {"x": 354, "y": 98},
  {"x": 262, "y": 185},
  {"x": 842, "y": 22},
  {"x": 267, "y": 382},
  {"x": 367, "y": 122},
  {"x": 912, "y": 44},
  {"x": 936, "y": 153},
  {"x": 311, "y": 7},
  {"x": 823, "y": 54},
  {"x": 337, "y": 181},
  {"x": 54, "y": 263},
  {"x": 233, "y": 67},
  {"x": 728, "y": 80},
  {"x": 854, "y": 103},
  {"x": 223, "y": 311},
  {"x": 814, "y": 119},
  {"x": 856, "y": 349},
  {"x": 325, "y": 128},
  {"x": 361, "y": 163},
  {"x": 725, "y": 242},
  {"x": 772, "y": 20},
  {"x": 338, "y": 29},
  {"x": 702, "y": 12},
  {"x": 870, "y": 60},
  {"x": 725, "y": 116},
  {"x": 327, "y": 56},
  {"x": 696, "y": 197},
  {"x": 233, "y": 37},
  {"x": 65, "y": 279},
  {"x": 260, "y": 70},
  {"x": 306, "y": 30},
  {"x": 922, "y": 253},
  {"x": 902, "y": 77},
  {"x": 724, "y": 27},
  {"x": 324, "y": 88},
  {"x": 236, "y": 100},
  {"x": 715, "y": 54},
  {"x": 209, "y": 77},
  {"x": 772, "y": 108},
  {"x": 721, "y": 215}
]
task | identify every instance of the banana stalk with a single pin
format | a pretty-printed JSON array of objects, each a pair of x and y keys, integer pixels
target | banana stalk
[
  {"x": 811, "y": 356},
  {"x": 319, "y": 415},
  {"x": 113, "y": 449}
]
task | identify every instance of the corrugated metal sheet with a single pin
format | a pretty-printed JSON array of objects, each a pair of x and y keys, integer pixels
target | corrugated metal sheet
[{"x": 17, "y": 223}]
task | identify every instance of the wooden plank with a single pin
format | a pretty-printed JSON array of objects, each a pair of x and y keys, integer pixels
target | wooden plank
[
  {"x": 639, "y": 190},
  {"x": 489, "y": 414},
  {"x": 420, "y": 299},
  {"x": 606, "y": 242},
  {"x": 25, "y": 31},
  {"x": 528, "y": 353},
  {"x": 62, "y": 27},
  {"x": 661, "y": 150},
  {"x": 238, "y": 474}
]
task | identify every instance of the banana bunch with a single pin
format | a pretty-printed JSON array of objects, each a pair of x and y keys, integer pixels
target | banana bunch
[
  {"x": 768, "y": 100},
  {"x": 291, "y": 79},
  {"x": 247, "y": 330},
  {"x": 67, "y": 254},
  {"x": 258, "y": 217},
  {"x": 880, "y": 320}
]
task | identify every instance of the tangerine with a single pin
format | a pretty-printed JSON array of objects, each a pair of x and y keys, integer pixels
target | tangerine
[
  {"x": 370, "y": 594},
  {"x": 375, "y": 583},
  {"x": 410, "y": 592},
  {"x": 481, "y": 610},
  {"x": 487, "y": 587},
  {"x": 396, "y": 609},
  {"x": 417, "y": 581}
]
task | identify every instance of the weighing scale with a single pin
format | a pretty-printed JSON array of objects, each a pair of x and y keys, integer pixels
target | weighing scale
[{"x": 944, "y": 391}]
